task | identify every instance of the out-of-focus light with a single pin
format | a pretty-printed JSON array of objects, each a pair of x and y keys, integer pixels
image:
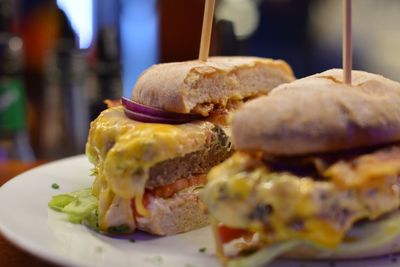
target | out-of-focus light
[
  {"x": 139, "y": 36},
  {"x": 243, "y": 14},
  {"x": 15, "y": 44},
  {"x": 80, "y": 14}
]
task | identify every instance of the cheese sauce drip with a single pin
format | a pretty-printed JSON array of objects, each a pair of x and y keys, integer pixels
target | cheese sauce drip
[
  {"x": 124, "y": 150},
  {"x": 243, "y": 193}
]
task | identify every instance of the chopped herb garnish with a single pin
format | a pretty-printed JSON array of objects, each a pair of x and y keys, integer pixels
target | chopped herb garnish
[
  {"x": 202, "y": 250},
  {"x": 94, "y": 172},
  {"x": 189, "y": 265},
  {"x": 119, "y": 229},
  {"x": 55, "y": 186}
]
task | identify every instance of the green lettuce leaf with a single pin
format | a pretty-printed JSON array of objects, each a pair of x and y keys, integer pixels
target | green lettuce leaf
[
  {"x": 371, "y": 236},
  {"x": 80, "y": 206},
  {"x": 366, "y": 238}
]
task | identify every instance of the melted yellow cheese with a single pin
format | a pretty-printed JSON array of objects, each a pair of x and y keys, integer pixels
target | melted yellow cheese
[
  {"x": 124, "y": 150},
  {"x": 367, "y": 170},
  {"x": 242, "y": 190}
]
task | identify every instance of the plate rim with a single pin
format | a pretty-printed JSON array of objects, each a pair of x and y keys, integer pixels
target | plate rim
[
  {"x": 24, "y": 244},
  {"x": 30, "y": 247}
]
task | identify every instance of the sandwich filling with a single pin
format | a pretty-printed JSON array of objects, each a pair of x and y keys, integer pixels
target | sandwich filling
[
  {"x": 136, "y": 162},
  {"x": 316, "y": 199}
]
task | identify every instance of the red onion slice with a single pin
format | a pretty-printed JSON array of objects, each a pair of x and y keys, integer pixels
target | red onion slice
[{"x": 139, "y": 112}]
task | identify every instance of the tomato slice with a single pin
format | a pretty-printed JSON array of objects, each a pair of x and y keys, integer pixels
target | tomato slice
[
  {"x": 169, "y": 190},
  {"x": 228, "y": 234}
]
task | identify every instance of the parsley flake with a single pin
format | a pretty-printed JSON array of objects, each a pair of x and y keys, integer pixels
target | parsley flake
[
  {"x": 202, "y": 250},
  {"x": 55, "y": 186}
]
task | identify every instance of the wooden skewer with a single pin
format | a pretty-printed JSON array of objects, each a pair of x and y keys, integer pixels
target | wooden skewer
[
  {"x": 347, "y": 42},
  {"x": 207, "y": 30}
]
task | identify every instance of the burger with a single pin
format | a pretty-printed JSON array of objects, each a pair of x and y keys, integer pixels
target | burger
[
  {"x": 316, "y": 174},
  {"x": 152, "y": 153}
]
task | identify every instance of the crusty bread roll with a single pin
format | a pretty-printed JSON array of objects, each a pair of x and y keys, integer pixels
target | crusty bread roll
[
  {"x": 320, "y": 114},
  {"x": 181, "y": 213},
  {"x": 182, "y": 86}
]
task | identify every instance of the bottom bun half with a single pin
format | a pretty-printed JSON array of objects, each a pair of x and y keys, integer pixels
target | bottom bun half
[{"x": 181, "y": 213}]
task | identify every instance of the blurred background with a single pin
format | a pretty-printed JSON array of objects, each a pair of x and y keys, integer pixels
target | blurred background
[{"x": 61, "y": 58}]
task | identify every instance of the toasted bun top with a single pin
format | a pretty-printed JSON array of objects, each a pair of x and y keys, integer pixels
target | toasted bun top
[
  {"x": 320, "y": 113},
  {"x": 181, "y": 86}
]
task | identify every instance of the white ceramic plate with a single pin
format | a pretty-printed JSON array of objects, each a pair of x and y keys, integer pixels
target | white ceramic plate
[{"x": 27, "y": 222}]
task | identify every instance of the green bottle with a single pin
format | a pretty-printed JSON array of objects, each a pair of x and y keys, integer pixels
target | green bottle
[{"x": 14, "y": 138}]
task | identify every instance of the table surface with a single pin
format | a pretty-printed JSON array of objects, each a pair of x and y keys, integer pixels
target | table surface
[{"x": 10, "y": 255}]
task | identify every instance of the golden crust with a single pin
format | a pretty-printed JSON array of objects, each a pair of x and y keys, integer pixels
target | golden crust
[{"x": 321, "y": 114}]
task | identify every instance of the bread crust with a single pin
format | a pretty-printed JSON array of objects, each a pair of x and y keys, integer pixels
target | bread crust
[
  {"x": 181, "y": 213},
  {"x": 320, "y": 114},
  {"x": 180, "y": 86}
]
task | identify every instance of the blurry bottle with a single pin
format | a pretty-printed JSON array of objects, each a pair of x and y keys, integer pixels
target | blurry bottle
[
  {"x": 48, "y": 37},
  {"x": 106, "y": 56},
  {"x": 65, "y": 103},
  {"x": 107, "y": 69},
  {"x": 14, "y": 138}
]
